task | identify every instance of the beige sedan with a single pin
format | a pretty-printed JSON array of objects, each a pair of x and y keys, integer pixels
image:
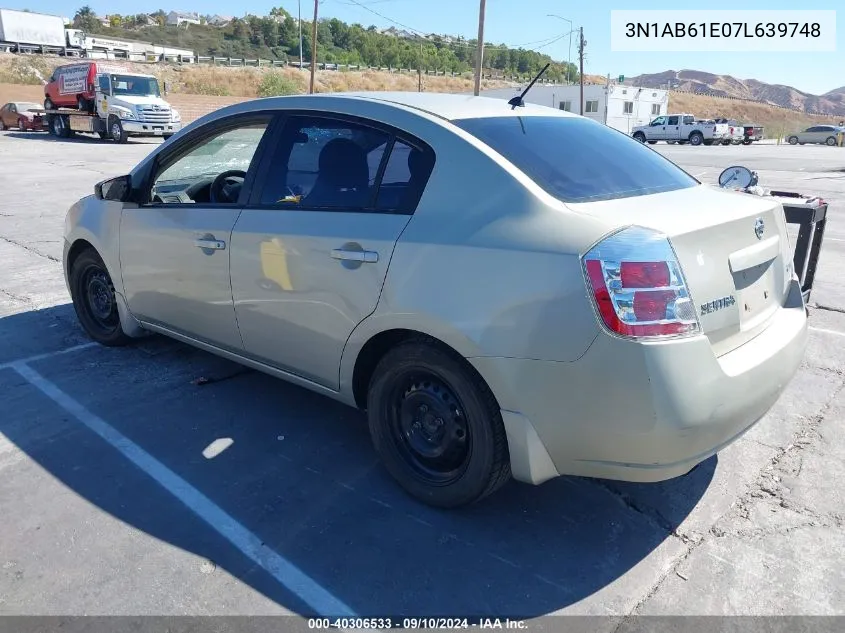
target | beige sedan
[{"x": 506, "y": 291}]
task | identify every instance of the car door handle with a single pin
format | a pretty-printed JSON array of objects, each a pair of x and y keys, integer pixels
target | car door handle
[
  {"x": 217, "y": 245},
  {"x": 370, "y": 257}
]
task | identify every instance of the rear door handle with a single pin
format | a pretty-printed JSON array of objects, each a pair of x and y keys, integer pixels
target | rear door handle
[
  {"x": 217, "y": 245},
  {"x": 370, "y": 257}
]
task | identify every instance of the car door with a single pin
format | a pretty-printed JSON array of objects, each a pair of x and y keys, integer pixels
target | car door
[
  {"x": 672, "y": 129},
  {"x": 3, "y": 113},
  {"x": 657, "y": 131},
  {"x": 810, "y": 135},
  {"x": 174, "y": 248},
  {"x": 10, "y": 117},
  {"x": 310, "y": 252}
]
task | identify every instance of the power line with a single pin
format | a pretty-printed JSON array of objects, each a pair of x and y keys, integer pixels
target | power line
[{"x": 544, "y": 42}]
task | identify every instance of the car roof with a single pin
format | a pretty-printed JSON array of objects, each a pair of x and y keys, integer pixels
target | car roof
[{"x": 449, "y": 106}]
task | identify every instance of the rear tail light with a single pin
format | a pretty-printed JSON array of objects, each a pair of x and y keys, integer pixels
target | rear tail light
[{"x": 638, "y": 286}]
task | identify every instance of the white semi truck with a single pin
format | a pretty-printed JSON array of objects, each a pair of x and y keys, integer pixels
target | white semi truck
[{"x": 28, "y": 31}]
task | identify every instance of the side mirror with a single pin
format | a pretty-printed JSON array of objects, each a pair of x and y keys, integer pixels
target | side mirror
[
  {"x": 737, "y": 177},
  {"x": 116, "y": 189}
]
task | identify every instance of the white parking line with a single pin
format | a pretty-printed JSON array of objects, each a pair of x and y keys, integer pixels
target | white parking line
[
  {"x": 38, "y": 357},
  {"x": 826, "y": 331},
  {"x": 285, "y": 572}
]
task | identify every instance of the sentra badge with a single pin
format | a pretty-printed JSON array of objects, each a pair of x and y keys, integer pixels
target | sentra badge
[{"x": 717, "y": 304}]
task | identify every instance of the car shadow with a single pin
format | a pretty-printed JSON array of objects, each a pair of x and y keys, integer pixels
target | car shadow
[
  {"x": 300, "y": 474},
  {"x": 76, "y": 138}
]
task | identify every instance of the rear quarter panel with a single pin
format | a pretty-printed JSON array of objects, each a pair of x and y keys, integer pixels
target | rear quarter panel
[{"x": 489, "y": 263}]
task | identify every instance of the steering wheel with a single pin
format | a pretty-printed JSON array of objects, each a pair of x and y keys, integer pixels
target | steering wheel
[{"x": 226, "y": 187}]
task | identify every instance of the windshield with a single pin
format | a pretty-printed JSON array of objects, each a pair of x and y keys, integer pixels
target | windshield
[
  {"x": 576, "y": 159},
  {"x": 135, "y": 86}
]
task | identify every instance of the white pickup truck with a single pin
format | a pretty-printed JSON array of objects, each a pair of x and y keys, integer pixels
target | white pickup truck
[{"x": 682, "y": 129}]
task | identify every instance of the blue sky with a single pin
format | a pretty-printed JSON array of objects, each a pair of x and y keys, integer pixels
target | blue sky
[{"x": 516, "y": 22}]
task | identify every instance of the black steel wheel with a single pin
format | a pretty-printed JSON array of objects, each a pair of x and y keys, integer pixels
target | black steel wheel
[
  {"x": 95, "y": 301},
  {"x": 436, "y": 426}
]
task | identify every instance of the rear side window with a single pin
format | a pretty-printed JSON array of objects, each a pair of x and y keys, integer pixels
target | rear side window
[{"x": 576, "y": 159}]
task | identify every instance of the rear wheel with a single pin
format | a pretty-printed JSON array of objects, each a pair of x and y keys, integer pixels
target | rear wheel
[
  {"x": 696, "y": 138},
  {"x": 2, "y": 126},
  {"x": 95, "y": 301},
  {"x": 746, "y": 142},
  {"x": 436, "y": 426}
]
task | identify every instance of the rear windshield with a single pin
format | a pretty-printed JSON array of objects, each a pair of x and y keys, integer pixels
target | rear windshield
[{"x": 578, "y": 160}]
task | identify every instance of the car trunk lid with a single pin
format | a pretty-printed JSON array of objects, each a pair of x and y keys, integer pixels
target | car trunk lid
[{"x": 733, "y": 249}]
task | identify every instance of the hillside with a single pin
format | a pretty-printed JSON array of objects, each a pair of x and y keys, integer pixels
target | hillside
[
  {"x": 276, "y": 37},
  {"x": 699, "y": 82},
  {"x": 198, "y": 89}
]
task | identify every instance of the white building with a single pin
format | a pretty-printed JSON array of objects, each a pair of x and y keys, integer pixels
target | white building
[
  {"x": 620, "y": 107},
  {"x": 176, "y": 18}
]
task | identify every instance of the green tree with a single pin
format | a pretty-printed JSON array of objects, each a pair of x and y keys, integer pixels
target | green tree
[{"x": 86, "y": 20}]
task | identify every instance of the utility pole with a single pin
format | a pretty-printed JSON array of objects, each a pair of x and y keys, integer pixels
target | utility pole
[
  {"x": 314, "y": 48},
  {"x": 299, "y": 7},
  {"x": 480, "y": 54},
  {"x": 419, "y": 71},
  {"x": 581, "y": 63}
]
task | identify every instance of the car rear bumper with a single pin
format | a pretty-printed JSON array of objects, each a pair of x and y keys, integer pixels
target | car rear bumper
[{"x": 642, "y": 411}]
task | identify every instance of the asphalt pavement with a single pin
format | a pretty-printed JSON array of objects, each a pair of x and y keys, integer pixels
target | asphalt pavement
[{"x": 157, "y": 479}]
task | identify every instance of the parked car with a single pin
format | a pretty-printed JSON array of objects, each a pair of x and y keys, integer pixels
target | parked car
[
  {"x": 497, "y": 307},
  {"x": 23, "y": 115},
  {"x": 736, "y": 131},
  {"x": 680, "y": 128},
  {"x": 817, "y": 134}
]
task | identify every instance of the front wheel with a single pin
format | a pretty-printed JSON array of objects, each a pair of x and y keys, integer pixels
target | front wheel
[
  {"x": 746, "y": 142},
  {"x": 95, "y": 301},
  {"x": 48, "y": 104},
  {"x": 2, "y": 126},
  {"x": 792, "y": 140},
  {"x": 436, "y": 426},
  {"x": 639, "y": 136},
  {"x": 118, "y": 134},
  {"x": 831, "y": 141}
]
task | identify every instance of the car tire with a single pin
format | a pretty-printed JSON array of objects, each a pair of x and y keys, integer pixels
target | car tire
[
  {"x": 104, "y": 135},
  {"x": 696, "y": 138},
  {"x": 22, "y": 126},
  {"x": 2, "y": 126},
  {"x": 792, "y": 140},
  {"x": 831, "y": 141},
  {"x": 58, "y": 129},
  {"x": 639, "y": 136},
  {"x": 746, "y": 142},
  {"x": 436, "y": 426},
  {"x": 95, "y": 301},
  {"x": 48, "y": 104},
  {"x": 116, "y": 131}
]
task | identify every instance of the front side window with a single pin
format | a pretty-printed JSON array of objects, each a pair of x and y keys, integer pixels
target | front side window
[
  {"x": 673, "y": 120},
  {"x": 577, "y": 159},
  {"x": 212, "y": 170},
  {"x": 326, "y": 163}
]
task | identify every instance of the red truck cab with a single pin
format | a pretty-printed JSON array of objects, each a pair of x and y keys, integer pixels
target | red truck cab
[{"x": 71, "y": 86}]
